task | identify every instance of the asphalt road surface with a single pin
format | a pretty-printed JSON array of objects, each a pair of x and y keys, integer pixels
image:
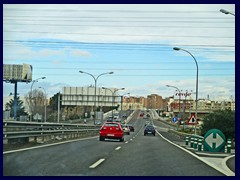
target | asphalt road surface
[{"x": 138, "y": 155}]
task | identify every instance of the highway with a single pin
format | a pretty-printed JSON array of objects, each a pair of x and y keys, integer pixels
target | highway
[{"x": 138, "y": 155}]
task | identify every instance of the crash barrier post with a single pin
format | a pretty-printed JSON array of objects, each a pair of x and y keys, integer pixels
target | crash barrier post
[
  {"x": 195, "y": 142},
  {"x": 200, "y": 141},
  {"x": 192, "y": 142},
  {"x": 229, "y": 145},
  {"x": 187, "y": 140}
]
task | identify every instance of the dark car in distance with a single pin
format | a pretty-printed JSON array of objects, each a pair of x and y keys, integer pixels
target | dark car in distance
[
  {"x": 149, "y": 130},
  {"x": 131, "y": 127}
]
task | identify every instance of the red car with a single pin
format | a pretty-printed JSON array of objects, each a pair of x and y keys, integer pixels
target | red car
[
  {"x": 111, "y": 130},
  {"x": 141, "y": 114}
]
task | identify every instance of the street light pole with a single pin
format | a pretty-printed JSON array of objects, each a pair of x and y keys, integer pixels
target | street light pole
[
  {"x": 178, "y": 49},
  {"x": 179, "y": 99},
  {"x": 45, "y": 109},
  {"x": 122, "y": 99},
  {"x": 226, "y": 12},
  {"x": 113, "y": 95},
  {"x": 58, "y": 119},
  {"x": 122, "y": 103},
  {"x": 95, "y": 90},
  {"x": 36, "y": 80}
]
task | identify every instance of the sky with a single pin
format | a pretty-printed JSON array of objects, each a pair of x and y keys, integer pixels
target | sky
[{"x": 134, "y": 41}]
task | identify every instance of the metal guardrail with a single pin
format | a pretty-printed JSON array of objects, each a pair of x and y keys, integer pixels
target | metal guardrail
[{"x": 16, "y": 129}]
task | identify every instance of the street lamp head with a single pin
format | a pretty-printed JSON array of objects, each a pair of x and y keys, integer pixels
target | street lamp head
[
  {"x": 224, "y": 11},
  {"x": 81, "y": 71},
  {"x": 110, "y": 73},
  {"x": 43, "y": 78},
  {"x": 103, "y": 88},
  {"x": 168, "y": 85},
  {"x": 122, "y": 88},
  {"x": 176, "y": 48}
]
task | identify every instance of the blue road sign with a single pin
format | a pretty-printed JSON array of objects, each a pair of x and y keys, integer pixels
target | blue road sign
[{"x": 174, "y": 119}]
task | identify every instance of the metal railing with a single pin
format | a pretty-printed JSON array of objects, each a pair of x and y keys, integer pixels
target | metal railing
[{"x": 16, "y": 129}]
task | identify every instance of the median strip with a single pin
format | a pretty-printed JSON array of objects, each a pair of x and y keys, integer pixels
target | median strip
[{"x": 97, "y": 163}]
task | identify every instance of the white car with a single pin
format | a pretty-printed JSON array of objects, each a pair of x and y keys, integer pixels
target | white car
[
  {"x": 126, "y": 129},
  {"x": 98, "y": 122}
]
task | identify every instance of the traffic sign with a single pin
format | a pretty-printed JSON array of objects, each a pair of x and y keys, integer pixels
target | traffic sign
[
  {"x": 214, "y": 141},
  {"x": 174, "y": 119},
  {"x": 192, "y": 120}
]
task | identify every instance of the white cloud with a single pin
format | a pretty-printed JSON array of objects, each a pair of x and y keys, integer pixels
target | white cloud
[
  {"x": 48, "y": 52},
  {"x": 75, "y": 52},
  {"x": 216, "y": 88}
]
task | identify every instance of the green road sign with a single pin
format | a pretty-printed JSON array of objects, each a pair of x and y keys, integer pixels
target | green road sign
[{"x": 214, "y": 141}]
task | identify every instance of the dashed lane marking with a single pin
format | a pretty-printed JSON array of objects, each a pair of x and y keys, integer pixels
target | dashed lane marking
[
  {"x": 96, "y": 163},
  {"x": 119, "y": 147}
]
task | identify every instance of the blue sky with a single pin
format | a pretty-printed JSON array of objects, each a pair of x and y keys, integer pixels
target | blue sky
[{"x": 134, "y": 41}]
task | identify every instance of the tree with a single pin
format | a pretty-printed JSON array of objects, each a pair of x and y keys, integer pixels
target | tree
[
  {"x": 224, "y": 120},
  {"x": 53, "y": 107},
  {"x": 36, "y": 101},
  {"x": 53, "y": 104},
  {"x": 9, "y": 106}
]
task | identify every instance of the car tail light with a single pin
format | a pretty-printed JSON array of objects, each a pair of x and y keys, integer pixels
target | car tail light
[
  {"x": 118, "y": 129},
  {"x": 103, "y": 128}
]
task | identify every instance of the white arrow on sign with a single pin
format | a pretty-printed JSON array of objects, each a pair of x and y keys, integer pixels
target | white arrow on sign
[{"x": 218, "y": 140}]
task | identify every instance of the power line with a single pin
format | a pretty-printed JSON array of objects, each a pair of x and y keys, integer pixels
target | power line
[
  {"x": 109, "y": 34},
  {"x": 139, "y": 69},
  {"x": 157, "y": 62},
  {"x": 123, "y": 26},
  {"x": 105, "y": 11},
  {"x": 107, "y": 45},
  {"x": 126, "y": 17},
  {"x": 114, "y": 21},
  {"x": 139, "y": 75},
  {"x": 142, "y": 50}
]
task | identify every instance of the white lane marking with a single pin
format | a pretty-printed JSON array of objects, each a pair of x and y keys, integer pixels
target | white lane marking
[
  {"x": 47, "y": 145},
  {"x": 119, "y": 147},
  {"x": 227, "y": 173},
  {"x": 97, "y": 163},
  {"x": 131, "y": 139},
  {"x": 126, "y": 142}
]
